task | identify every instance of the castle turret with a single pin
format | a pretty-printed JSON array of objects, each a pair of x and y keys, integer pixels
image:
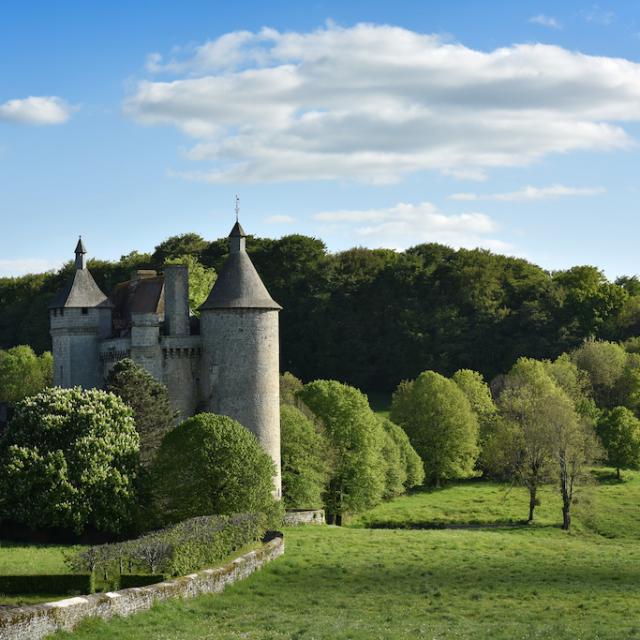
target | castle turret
[
  {"x": 80, "y": 316},
  {"x": 240, "y": 350}
]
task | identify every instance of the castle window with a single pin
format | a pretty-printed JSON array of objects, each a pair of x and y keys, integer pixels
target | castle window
[
  {"x": 85, "y": 311},
  {"x": 61, "y": 312}
]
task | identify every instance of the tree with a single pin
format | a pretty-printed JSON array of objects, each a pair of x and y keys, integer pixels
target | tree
[
  {"x": 305, "y": 460},
  {"x": 532, "y": 405},
  {"x": 619, "y": 430},
  {"x": 409, "y": 459},
  {"x": 149, "y": 401},
  {"x": 69, "y": 459},
  {"x": 201, "y": 279},
  {"x": 440, "y": 423},
  {"x": 605, "y": 363},
  {"x": 186, "y": 244},
  {"x": 23, "y": 373},
  {"x": 211, "y": 464},
  {"x": 357, "y": 479},
  {"x": 477, "y": 392}
]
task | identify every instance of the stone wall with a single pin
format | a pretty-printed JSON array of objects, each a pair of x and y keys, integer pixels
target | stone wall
[
  {"x": 37, "y": 621},
  {"x": 295, "y": 517}
]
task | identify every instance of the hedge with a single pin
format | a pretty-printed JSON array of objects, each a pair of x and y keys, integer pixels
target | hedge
[
  {"x": 182, "y": 548},
  {"x": 46, "y": 584}
]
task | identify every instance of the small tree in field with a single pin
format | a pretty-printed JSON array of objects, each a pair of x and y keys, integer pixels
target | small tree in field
[
  {"x": 619, "y": 430},
  {"x": 410, "y": 461},
  {"x": 357, "y": 477},
  {"x": 69, "y": 459},
  {"x": 23, "y": 373},
  {"x": 440, "y": 423},
  {"x": 306, "y": 459},
  {"x": 211, "y": 464},
  {"x": 150, "y": 403}
]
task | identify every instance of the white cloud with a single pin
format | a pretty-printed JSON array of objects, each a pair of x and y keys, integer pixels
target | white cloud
[
  {"x": 545, "y": 21},
  {"x": 599, "y": 16},
  {"x": 375, "y": 103},
  {"x": 279, "y": 219},
  {"x": 39, "y": 110},
  {"x": 531, "y": 193},
  {"x": 406, "y": 224},
  {"x": 21, "y": 266}
]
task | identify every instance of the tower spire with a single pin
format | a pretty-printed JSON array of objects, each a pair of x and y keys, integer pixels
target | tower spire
[
  {"x": 81, "y": 252},
  {"x": 237, "y": 206}
]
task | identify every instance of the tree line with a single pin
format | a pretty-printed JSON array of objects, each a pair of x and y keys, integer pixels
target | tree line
[{"x": 374, "y": 317}]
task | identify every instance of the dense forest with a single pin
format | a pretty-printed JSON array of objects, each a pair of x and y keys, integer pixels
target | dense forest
[{"x": 375, "y": 317}]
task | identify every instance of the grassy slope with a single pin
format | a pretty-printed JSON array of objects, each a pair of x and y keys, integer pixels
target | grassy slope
[{"x": 523, "y": 582}]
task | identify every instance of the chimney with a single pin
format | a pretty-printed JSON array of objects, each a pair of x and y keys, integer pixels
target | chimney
[{"x": 176, "y": 300}]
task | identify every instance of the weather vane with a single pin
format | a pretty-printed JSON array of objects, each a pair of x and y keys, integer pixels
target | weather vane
[{"x": 237, "y": 206}]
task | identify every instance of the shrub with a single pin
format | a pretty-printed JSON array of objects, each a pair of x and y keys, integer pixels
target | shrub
[
  {"x": 129, "y": 580},
  {"x": 149, "y": 401},
  {"x": 69, "y": 459},
  {"x": 440, "y": 424},
  {"x": 211, "y": 464},
  {"x": 48, "y": 584},
  {"x": 305, "y": 460},
  {"x": 357, "y": 478}
]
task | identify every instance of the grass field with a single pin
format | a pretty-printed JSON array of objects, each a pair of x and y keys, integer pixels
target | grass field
[{"x": 524, "y": 582}]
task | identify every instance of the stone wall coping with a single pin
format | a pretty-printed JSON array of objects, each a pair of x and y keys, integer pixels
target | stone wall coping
[{"x": 37, "y": 621}]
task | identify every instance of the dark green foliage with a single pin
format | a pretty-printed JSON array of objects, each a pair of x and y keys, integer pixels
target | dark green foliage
[
  {"x": 440, "y": 423},
  {"x": 211, "y": 464},
  {"x": 358, "y": 476},
  {"x": 187, "y": 244},
  {"x": 129, "y": 580},
  {"x": 190, "y": 545},
  {"x": 619, "y": 431},
  {"x": 69, "y": 459},
  {"x": 305, "y": 456},
  {"x": 66, "y": 583},
  {"x": 23, "y": 373},
  {"x": 149, "y": 400}
]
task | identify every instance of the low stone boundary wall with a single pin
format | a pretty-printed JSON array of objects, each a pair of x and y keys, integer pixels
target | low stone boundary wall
[
  {"x": 296, "y": 517},
  {"x": 36, "y": 621}
]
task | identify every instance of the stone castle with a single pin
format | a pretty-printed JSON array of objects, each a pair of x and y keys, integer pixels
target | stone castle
[{"x": 226, "y": 361}]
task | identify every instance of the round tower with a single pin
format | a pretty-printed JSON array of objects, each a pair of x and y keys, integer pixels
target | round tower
[
  {"x": 240, "y": 350},
  {"x": 80, "y": 316}
]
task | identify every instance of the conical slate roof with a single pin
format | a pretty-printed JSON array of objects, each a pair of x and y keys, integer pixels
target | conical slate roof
[
  {"x": 238, "y": 285},
  {"x": 82, "y": 290}
]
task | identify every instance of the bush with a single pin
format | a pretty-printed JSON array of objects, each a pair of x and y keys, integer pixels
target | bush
[
  {"x": 67, "y": 583},
  {"x": 211, "y": 464},
  {"x": 440, "y": 424},
  {"x": 357, "y": 478},
  {"x": 149, "y": 401},
  {"x": 179, "y": 549},
  {"x": 130, "y": 580},
  {"x": 69, "y": 459},
  {"x": 305, "y": 460}
]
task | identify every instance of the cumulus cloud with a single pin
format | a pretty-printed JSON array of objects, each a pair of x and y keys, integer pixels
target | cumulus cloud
[
  {"x": 545, "y": 21},
  {"x": 280, "y": 219},
  {"x": 40, "y": 110},
  {"x": 531, "y": 193},
  {"x": 374, "y": 103},
  {"x": 407, "y": 224}
]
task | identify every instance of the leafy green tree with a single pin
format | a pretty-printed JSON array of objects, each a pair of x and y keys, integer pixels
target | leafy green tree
[
  {"x": 477, "y": 392},
  {"x": 409, "y": 459},
  {"x": 440, "y": 423},
  {"x": 69, "y": 459},
  {"x": 619, "y": 430},
  {"x": 149, "y": 400},
  {"x": 357, "y": 480},
  {"x": 211, "y": 464},
  {"x": 395, "y": 473},
  {"x": 23, "y": 373},
  {"x": 306, "y": 456},
  {"x": 185, "y": 244},
  {"x": 201, "y": 279}
]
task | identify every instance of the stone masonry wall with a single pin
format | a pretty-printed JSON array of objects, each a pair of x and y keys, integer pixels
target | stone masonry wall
[{"x": 37, "y": 621}]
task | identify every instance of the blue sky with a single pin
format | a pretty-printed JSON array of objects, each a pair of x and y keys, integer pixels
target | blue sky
[{"x": 512, "y": 126}]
